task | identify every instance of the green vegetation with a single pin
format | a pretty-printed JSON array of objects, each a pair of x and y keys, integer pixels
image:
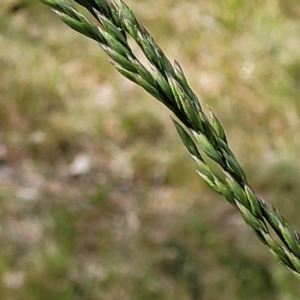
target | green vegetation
[{"x": 136, "y": 223}]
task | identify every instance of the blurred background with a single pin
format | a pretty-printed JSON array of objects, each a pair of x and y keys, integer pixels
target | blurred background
[{"x": 99, "y": 198}]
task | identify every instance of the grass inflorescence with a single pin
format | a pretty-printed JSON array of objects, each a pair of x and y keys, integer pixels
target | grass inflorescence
[
  {"x": 99, "y": 199},
  {"x": 203, "y": 137}
]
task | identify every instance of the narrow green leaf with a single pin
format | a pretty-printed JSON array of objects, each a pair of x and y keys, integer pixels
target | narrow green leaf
[
  {"x": 208, "y": 148},
  {"x": 208, "y": 181},
  {"x": 290, "y": 238},
  {"x": 119, "y": 58},
  {"x": 223, "y": 190},
  {"x": 218, "y": 127},
  {"x": 114, "y": 31},
  {"x": 204, "y": 169},
  {"x": 237, "y": 190},
  {"x": 179, "y": 72},
  {"x": 235, "y": 167},
  {"x": 162, "y": 83},
  {"x": 187, "y": 140},
  {"x": 252, "y": 220},
  {"x": 74, "y": 24},
  {"x": 142, "y": 71},
  {"x": 254, "y": 202}
]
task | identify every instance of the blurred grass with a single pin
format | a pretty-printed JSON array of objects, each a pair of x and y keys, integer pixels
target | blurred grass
[{"x": 137, "y": 222}]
